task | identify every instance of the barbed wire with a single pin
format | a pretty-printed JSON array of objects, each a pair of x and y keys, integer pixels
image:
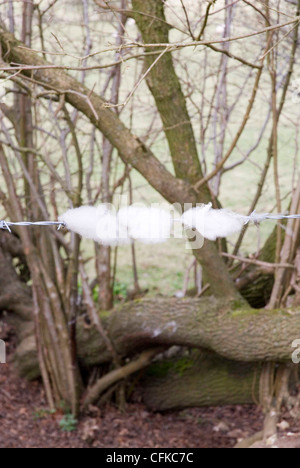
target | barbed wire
[
  {"x": 258, "y": 218},
  {"x": 5, "y": 225},
  {"x": 254, "y": 217},
  {"x": 283, "y": 217}
]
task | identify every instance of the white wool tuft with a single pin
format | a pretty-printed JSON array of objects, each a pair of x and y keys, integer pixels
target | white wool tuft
[
  {"x": 213, "y": 223},
  {"x": 110, "y": 232},
  {"x": 96, "y": 223},
  {"x": 82, "y": 220},
  {"x": 147, "y": 225}
]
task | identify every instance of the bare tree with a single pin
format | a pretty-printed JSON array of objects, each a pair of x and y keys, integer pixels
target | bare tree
[{"x": 210, "y": 75}]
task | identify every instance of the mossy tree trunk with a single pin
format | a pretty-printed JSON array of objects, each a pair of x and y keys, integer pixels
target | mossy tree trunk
[
  {"x": 201, "y": 379},
  {"x": 233, "y": 331}
]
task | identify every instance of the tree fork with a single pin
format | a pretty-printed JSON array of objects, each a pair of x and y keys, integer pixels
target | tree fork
[{"x": 131, "y": 149}]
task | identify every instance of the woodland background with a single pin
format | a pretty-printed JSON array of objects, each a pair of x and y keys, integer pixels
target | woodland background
[{"x": 178, "y": 101}]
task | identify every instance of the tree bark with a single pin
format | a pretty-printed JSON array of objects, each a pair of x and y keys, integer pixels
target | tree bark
[
  {"x": 232, "y": 331},
  {"x": 166, "y": 89},
  {"x": 208, "y": 381}
]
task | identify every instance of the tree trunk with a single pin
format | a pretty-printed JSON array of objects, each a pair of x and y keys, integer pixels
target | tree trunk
[
  {"x": 165, "y": 87},
  {"x": 207, "y": 381},
  {"x": 60, "y": 377},
  {"x": 232, "y": 331}
]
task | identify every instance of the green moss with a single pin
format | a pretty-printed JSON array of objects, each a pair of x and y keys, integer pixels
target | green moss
[
  {"x": 104, "y": 314},
  {"x": 242, "y": 312},
  {"x": 248, "y": 312},
  {"x": 162, "y": 369},
  {"x": 182, "y": 365},
  {"x": 238, "y": 304}
]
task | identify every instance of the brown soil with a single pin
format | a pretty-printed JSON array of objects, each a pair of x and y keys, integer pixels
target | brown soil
[{"x": 25, "y": 422}]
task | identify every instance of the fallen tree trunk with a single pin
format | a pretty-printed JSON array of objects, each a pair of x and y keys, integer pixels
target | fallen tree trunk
[
  {"x": 204, "y": 380},
  {"x": 232, "y": 331}
]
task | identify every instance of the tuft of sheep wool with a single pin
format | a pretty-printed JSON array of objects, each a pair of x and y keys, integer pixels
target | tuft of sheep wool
[
  {"x": 82, "y": 220},
  {"x": 153, "y": 225},
  {"x": 110, "y": 232},
  {"x": 213, "y": 223},
  {"x": 96, "y": 223},
  {"x": 147, "y": 225}
]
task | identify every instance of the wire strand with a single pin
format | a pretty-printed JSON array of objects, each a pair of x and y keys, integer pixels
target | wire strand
[
  {"x": 5, "y": 225},
  {"x": 254, "y": 217}
]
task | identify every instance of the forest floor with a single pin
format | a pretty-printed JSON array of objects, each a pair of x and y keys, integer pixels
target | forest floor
[{"x": 25, "y": 422}]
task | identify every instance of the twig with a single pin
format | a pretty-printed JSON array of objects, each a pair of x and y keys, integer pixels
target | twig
[
  {"x": 266, "y": 265},
  {"x": 278, "y": 42},
  {"x": 124, "y": 104},
  {"x": 234, "y": 57},
  {"x": 187, "y": 20},
  {"x": 270, "y": 147},
  {"x": 182, "y": 45},
  {"x": 285, "y": 255},
  {"x": 205, "y": 19},
  {"x": 95, "y": 317},
  {"x": 119, "y": 374},
  {"x": 221, "y": 164}
]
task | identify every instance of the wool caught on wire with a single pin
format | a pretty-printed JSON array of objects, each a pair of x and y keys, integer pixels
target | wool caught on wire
[
  {"x": 148, "y": 225},
  {"x": 83, "y": 220},
  {"x": 110, "y": 232},
  {"x": 99, "y": 224},
  {"x": 213, "y": 223},
  {"x": 103, "y": 225}
]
